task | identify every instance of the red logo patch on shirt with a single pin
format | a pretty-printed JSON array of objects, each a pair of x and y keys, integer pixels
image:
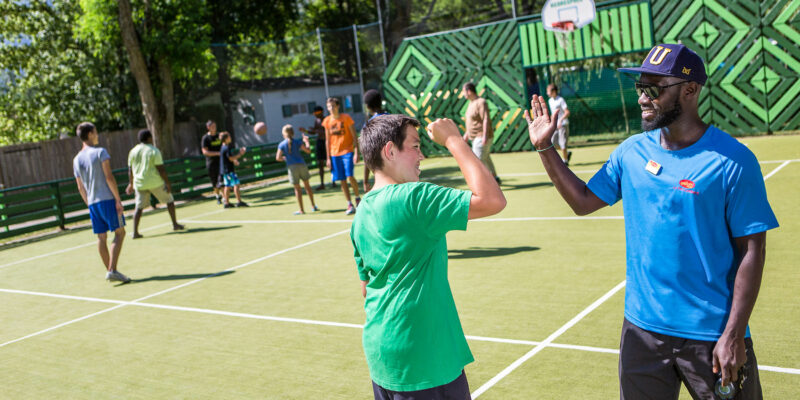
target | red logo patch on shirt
[{"x": 687, "y": 184}]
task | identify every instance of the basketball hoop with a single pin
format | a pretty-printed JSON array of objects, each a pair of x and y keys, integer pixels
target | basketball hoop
[
  {"x": 564, "y": 17},
  {"x": 563, "y": 32}
]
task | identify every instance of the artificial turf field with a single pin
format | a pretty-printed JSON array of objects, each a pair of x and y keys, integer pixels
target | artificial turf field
[{"x": 258, "y": 303}]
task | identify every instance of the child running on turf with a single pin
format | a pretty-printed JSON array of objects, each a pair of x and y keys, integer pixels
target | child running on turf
[
  {"x": 289, "y": 150},
  {"x": 342, "y": 152},
  {"x": 412, "y": 336},
  {"x": 228, "y": 161}
]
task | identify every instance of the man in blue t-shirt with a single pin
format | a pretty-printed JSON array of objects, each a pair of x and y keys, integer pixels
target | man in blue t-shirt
[
  {"x": 696, "y": 216},
  {"x": 98, "y": 189}
]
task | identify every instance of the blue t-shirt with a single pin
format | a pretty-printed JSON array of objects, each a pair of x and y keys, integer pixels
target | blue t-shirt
[
  {"x": 226, "y": 165},
  {"x": 681, "y": 216},
  {"x": 294, "y": 156},
  {"x": 88, "y": 165}
]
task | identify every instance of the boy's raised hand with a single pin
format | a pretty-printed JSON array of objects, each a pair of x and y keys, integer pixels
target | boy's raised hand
[
  {"x": 442, "y": 129},
  {"x": 542, "y": 126}
]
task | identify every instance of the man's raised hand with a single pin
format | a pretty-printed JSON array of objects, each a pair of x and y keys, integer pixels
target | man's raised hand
[{"x": 542, "y": 126}]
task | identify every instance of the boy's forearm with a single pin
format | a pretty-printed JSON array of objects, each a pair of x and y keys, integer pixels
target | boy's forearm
[{"x": 479, "y": 179}]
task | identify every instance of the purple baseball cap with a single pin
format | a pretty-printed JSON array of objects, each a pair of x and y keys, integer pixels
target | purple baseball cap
[{"x": 672, "y": 60}]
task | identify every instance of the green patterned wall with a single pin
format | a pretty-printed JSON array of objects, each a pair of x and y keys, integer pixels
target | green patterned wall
[
  {"x": 750, "y": 47},
  {"x": 425, "y": 77},
  {"x": 752, "y": 58},
  {"x": 615, "y": 30}
]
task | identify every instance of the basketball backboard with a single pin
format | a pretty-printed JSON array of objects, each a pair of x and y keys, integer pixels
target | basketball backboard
[{"x": 567, "y": 15}]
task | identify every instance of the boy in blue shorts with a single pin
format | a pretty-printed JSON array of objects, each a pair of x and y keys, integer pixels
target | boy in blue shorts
[
  {"x": 98, "y": 188},
  {"x": 340, "y": 137},
  {"x": 289, "y": 150},
  {"x": 227, "y": 169},
  {"x": 413, "y": 340}
]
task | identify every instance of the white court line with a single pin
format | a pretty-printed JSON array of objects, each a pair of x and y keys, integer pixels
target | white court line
[
  {"x": 774, "y": 171},
  {"x": 175, "y": 287},
  {"x": 312, "y": 221},
  {"x": 486, "y": 386},
  {"x": 794, "y": 371},
  {"x": 52, "y": 253}
]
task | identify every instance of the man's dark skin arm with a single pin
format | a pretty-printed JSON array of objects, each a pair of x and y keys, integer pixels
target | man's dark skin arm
[{"x": 729, "y": 352}]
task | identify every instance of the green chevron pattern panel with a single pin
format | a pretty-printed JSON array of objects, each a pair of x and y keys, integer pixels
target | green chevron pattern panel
[
  {"x": 750, "y": 47},
  {"x": 426, "y": 74},
  {"x": 752, "y": 58},
  {"x": 615, "y": 30}
]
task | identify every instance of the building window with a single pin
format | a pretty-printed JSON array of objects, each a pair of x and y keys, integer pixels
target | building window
[{"x": 287, "y": 110}]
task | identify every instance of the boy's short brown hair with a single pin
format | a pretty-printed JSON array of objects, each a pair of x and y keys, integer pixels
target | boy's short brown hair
[
  {"x": 224, "y": 136},
  {"x": 334, "y": 100},
  {"x": 378, "y": 132},
  {"x": 84, "y": 129}
]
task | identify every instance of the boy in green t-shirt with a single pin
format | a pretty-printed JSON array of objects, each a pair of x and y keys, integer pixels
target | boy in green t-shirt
[{"x": 413, "y": 341}]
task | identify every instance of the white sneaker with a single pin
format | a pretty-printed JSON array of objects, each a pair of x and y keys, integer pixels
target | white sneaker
[{"x": 116, "y": 276}]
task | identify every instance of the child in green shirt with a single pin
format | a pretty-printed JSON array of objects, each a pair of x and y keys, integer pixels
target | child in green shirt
[{"x": 413, "y": 338}]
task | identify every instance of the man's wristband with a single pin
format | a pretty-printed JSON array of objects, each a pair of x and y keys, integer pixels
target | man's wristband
[{"x": 544, "y": 149}]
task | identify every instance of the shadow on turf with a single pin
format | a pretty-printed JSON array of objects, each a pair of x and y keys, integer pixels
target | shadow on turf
[
  {"x": 193, "y": 230},
  {"x": 506, "y": 186},
  {"x": 482, "y": 252},
  {"x": 178, "y": 277}
]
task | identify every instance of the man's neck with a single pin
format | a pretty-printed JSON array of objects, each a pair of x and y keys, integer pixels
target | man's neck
[
  {"x": 86, "y": 146},
  {"x": 336, "y": 115},
  {"x": 682, "y": 133},
  {"x": 472, "y": 97}
]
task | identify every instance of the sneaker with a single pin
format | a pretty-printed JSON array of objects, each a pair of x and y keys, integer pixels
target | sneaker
[
  {"x": 298, "y": 213},
  {"x": 314, "y": 208},
  {"x": 350, "y": 210},
  {"x": 242, "y": 204},
  {"x": 569, "y": 156},
  {"x": 219, "y": 199},
  {"x": 229, "y": 205},
  {"x": 358, "y": 201},
  {"x": 116, "y": 276}
]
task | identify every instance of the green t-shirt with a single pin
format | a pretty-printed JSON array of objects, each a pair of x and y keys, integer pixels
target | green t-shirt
[
  {"x": 412, "y": 335},
  {"x": 143, "y": 160}
]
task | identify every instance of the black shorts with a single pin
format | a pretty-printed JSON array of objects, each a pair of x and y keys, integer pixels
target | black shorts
[
  {"x": 213, "y": 173},
  {"x": 457, "y": 389},
  {"x": 322, "y": 151},
  {"x": 652, "y": 366}
]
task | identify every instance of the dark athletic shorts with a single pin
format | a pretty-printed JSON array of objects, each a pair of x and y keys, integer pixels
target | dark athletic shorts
[
  {"x": 455, "y": 390},
  {"x": 322, "y": 151},
  {"x": 213, "y": 173},
  {"x": 652, "y": 366}
]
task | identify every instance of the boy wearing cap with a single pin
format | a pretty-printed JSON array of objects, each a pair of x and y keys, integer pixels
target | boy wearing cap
[
  {"x": 413, "y": 340},
  {"x": 696, "y": 216}
]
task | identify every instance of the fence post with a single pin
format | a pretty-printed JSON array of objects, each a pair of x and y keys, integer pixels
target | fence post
[
  {"x": 59, "y": 207},
  {"x": 322, "y": 60},
  {"x": 360, "y": 73},
  {"x": 2, "y": 213}
]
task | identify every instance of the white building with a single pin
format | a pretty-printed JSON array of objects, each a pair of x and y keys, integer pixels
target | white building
[{"x": 278, "y": 102}]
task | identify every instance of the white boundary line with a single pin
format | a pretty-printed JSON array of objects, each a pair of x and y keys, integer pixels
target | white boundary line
[
  {"x": 52, "y": 253},
  {"x": 778, "y": 168},
  {"x": 176, "y": 287},
  {"x": 120, "y": 303},
  {"x": 331, "y": 221},
  {"x": 486, "y": 386}
]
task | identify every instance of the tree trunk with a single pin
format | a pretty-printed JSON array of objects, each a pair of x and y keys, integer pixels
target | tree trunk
[
  {"x": 398, "y": 25},
  {"x": 223, "y": 85},
  {"x": 139, "y": 69},
  {"x": 168, "y": 102}
]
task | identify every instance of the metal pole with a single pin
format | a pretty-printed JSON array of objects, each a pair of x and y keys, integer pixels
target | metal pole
[
  {"x": 380, "y": 26},
  {"x": 322, "y": 59},
  {"x": 358, "y": 63},
  {"x": 514, "y": 9}
]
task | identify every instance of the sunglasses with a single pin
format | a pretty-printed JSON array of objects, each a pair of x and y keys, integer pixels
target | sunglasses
[{"x": 652, "y": 91}]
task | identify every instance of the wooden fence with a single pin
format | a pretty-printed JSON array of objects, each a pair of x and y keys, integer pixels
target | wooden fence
[
  {"x": 30, "y": 163},
  {"x": 57, "y": 203}
]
